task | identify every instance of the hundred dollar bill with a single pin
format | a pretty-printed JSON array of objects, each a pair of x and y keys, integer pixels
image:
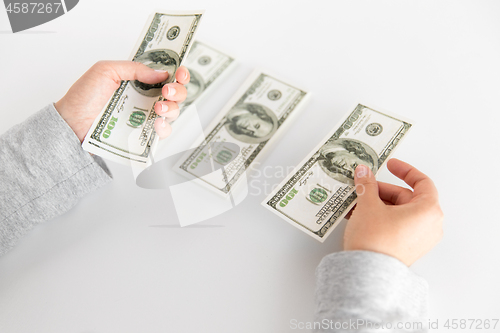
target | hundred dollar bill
[
  {"x": 124, "y": 131},
  {"x": 320, "y": 192},
  {"x": 251, "y": 120},
  {"x": 206, "y": 65}
]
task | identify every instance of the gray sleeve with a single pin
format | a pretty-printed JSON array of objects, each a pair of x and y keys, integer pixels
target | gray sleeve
[
  {"x": 43, "y": 173},
  {"x": 367, "y": 287}
]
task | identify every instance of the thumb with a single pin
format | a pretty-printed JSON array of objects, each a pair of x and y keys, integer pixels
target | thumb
[
  {"x": 132, "y": 70},
  {"x": 366, "y": 186}
]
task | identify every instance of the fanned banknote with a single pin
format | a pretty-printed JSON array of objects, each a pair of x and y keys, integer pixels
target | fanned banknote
[
  {"x": 320, "y": 192},
  {"x": 124, "y": 131},
  {"x": 251, "y": 120},
  {"x": 206, "y": 66}
]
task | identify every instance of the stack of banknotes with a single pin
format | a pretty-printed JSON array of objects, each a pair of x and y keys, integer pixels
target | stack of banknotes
[{"x": 313, "y": 198}]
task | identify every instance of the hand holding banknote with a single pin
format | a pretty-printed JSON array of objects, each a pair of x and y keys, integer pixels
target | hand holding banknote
[
  {"x": 393, "y": 220},
  {"x": 88, "y": 96}
]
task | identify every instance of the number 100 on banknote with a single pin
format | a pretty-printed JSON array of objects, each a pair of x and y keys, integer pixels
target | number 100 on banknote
[{"x": 321, "y": 191}]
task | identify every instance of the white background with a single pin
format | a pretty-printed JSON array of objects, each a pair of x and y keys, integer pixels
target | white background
[{"x": 119, "y": 262}]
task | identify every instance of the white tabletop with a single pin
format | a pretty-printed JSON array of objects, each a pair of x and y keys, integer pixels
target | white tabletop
[{"x": 120, "y": 262}]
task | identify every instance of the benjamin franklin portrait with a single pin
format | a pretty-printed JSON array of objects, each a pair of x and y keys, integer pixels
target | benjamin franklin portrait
[
  {"x": 339, "y": 158},
  {"x": 165, "y": 60},
  {"x": 251, "y": 123}
]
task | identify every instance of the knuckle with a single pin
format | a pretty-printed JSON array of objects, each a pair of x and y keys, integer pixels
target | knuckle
[
  {"x": 438, "y": 211},
  {"x": 97, "y": 66},
  {"x": 101, "y": 65},
  {"x": 370, "y": 183},
  {"x": 433, "y": 207},
  {"x": 137, "y": 64}
]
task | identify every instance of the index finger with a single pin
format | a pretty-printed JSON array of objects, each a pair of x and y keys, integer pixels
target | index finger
[
  {"x": 420, "y": 182},
  {"x": 394, "y": 194}
]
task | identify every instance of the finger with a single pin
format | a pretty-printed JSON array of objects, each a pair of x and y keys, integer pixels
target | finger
[
  {"x": 167, "y": 109},
  {"x": 174, "y": 92},
  {"x": 420, "y": 183},
  {"x": 131, "y": 70},
  {"x": 366, "y": 186},
  {"x": 182, "y": 75},
  {"x": 396, "y": 195},
  {"x": 162, "y": 128}
]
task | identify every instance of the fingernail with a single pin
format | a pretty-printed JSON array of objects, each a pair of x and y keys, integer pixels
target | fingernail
[
  {"x": 185, "y": 75},
  {"x": 170, "y": 91},
  {"x": 164, "y": 108},
  {"x": 160, "y": 71},
  {"x": 361, "y": 171},
  {"x": 163, "y": 122}
]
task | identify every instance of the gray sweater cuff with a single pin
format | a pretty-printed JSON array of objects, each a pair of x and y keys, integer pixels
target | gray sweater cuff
[
  {"x": 44, "y": 171},
  {"x": 370, "y": 286}
]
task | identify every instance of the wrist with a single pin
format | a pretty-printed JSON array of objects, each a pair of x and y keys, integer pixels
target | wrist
[{"x": 76, "y": 125}]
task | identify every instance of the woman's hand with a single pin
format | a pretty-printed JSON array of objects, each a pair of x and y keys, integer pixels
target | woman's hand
[
  {"x": 88, "y": 96},
  {"x": 393, "y": 220}
]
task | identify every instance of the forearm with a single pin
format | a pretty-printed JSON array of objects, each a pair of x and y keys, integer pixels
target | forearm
[
  {"x": 362, "y": 286},
  {"x": 43, "y": 173}
]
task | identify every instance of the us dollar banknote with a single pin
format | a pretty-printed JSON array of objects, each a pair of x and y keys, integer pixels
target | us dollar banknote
[
  {"x": 206, "y": 66},
  {"x": 320, "y": 192},
  {"x": 251, "y": 120},
  {"x": 124, "y": 131}
]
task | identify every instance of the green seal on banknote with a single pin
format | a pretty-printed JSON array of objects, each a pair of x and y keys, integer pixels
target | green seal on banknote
[
  {"x": 318, "y": 195},
  {"x": 224, "y": 157},
  {"x": 136, "y": 119}
]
